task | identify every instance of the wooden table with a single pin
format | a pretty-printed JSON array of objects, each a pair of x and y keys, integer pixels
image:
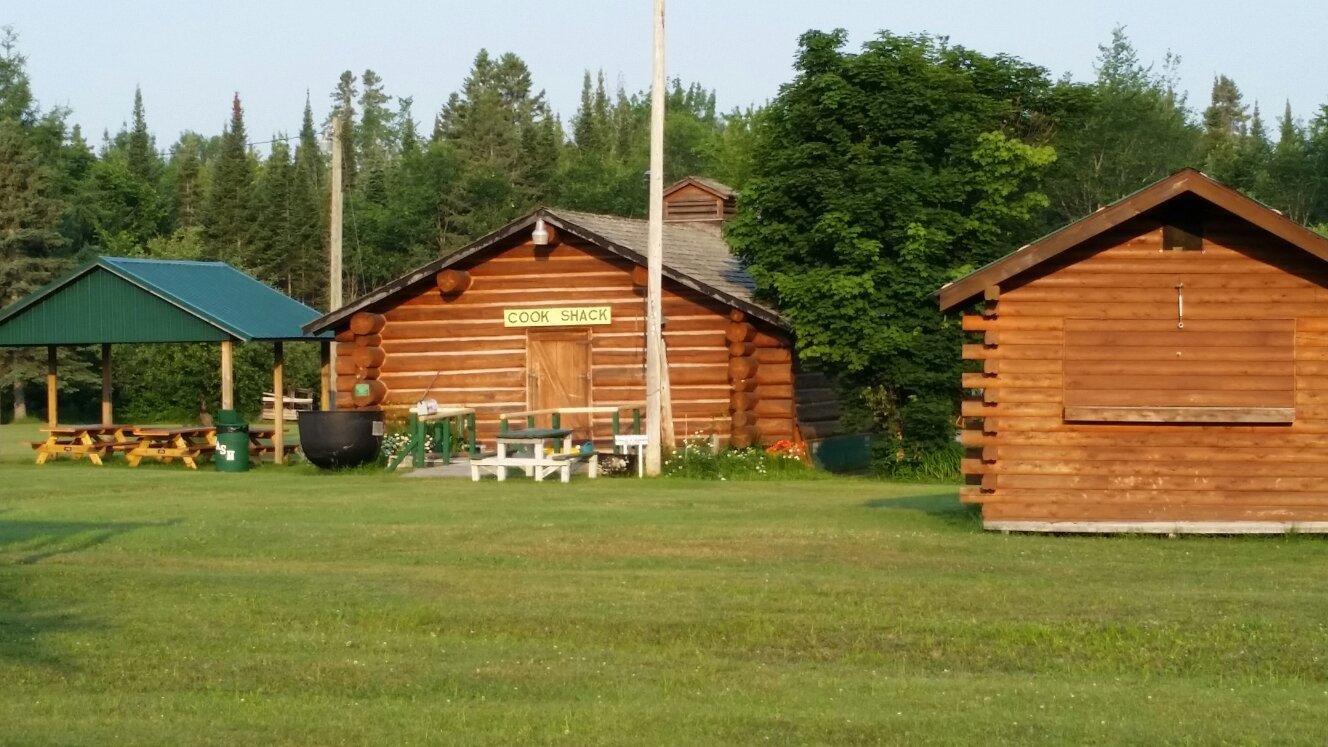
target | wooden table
[
  {"x": 79, "y": 441},
  {"x": 260, "y": 441},
  {"x": 166, "y": 444}
]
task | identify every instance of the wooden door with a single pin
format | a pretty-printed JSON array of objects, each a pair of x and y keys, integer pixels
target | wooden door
[{"x": 558, "y": 375}]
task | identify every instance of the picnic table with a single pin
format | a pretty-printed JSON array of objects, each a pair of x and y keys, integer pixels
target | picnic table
[
  {"x": 166, "y": 444},
  {"x": 260, "y": 440},
  {"x": 449, "y": 424},
  {"x": 80, "y": 441},
  {"x": 539, "y": 462}
]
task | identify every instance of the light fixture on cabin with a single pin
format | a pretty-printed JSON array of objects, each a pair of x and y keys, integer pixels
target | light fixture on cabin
[{"x": 540, "y": 236}]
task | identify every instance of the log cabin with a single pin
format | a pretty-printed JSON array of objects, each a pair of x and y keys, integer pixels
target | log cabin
[
  {"x": 549, "y": 312},
  {"x": 1158, "y": 366}
]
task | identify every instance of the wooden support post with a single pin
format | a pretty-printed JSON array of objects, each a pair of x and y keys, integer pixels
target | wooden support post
[
  {"x": 52, "y": 387},
  {"x": 325, "y": 375},
  {"x": 228, "y": 374},
  {"x": 107, "y": 412},
  {"x": 278, "y": 402}
]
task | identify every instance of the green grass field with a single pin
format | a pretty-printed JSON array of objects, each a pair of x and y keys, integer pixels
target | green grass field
[{"x": 162, "y": 606}]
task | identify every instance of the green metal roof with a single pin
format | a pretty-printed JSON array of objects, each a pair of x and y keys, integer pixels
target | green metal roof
[{"x": 120, "y": 300}]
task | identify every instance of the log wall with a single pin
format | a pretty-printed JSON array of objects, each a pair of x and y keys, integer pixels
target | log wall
[
  {"x": 453, "y": 347},
  {"x": 1250, "y": 299}
]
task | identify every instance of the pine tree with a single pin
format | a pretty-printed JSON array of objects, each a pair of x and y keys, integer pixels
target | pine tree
[
  {"x": 16, "y": 101},
  {"x": 1288, "y": 170},
  {"x": 1253, "y": 155},
  {"x": 185, "y": 178},
  {"x": 343, "y": 108},
  {"x": 376, "y": 137},
  {"x": 591, "y": 127},
  {"x": 141, "y": 149},
  {"x": 1225, "y": 124},
  {"x": 29, "y": 240},
  {"x": 273, "y": 248},
  {"x": 409, "y": 143},
  {"x": 228, "y": 223},
  {"x": 308, "y": 201}
]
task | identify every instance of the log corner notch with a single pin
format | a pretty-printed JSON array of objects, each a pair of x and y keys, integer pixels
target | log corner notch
[
  {"x": 743, "y": 395},
  {"x": 366, "y": 358},
  {"x": 979, "y": 463},
  {"x": 991, "y": 295},
  {"x": 452, "y": 283}
]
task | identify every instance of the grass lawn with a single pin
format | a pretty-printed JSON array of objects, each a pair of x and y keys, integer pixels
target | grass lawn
[{"x": 163, "y": 606}]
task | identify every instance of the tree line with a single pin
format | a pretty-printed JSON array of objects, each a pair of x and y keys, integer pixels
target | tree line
[
  {"x": 873, "y": 177},
  {"x": 882, "y": 173},
  {"x": 494, "y": 151}
]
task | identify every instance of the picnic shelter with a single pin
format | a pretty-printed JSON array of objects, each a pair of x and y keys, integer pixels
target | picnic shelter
[{"x": 119, "y": 300}]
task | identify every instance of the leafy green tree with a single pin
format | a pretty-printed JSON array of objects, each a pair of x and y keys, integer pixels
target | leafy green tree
[
  {"x": 229, "y": 213},
  {"x": 1127, "y": 129},
  {"x": 876, "y": 177}
]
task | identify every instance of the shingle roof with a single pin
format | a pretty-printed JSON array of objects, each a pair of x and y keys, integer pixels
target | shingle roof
[
  {"x": 719, "y": 188},
  {"x": 695, "y": 251},
  {"x": 213, "y": 293},
  {"x": 693, "y": 256}
]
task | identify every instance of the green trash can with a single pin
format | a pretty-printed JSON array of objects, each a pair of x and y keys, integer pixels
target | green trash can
[{"x": 232, "y": 442}]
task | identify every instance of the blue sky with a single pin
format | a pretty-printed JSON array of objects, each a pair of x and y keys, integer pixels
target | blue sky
[{"x": 189, "y": 56}]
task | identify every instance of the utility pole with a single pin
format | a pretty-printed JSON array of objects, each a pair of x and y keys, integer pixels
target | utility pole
[
  {"x": 655, "y": 256},
  {"x": 334, "y": 260}
]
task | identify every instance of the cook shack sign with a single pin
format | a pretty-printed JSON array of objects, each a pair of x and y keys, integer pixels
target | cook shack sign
[{"x": 565, "y": 316}]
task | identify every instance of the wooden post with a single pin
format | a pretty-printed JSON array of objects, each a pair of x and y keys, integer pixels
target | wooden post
[
  {"x": 325, "y": 374},
  {"x": 52, "y": 385},
  {"x": 228, "y": 374},
  {"x": 278, "y": 402},
  {"x": 334, "y": 279},
  {"x": 107, "y": 413},
  {"x": 655, "y": 253}
]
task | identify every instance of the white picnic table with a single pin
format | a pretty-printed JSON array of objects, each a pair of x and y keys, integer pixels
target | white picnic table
[{"x": 541, "y": 461}]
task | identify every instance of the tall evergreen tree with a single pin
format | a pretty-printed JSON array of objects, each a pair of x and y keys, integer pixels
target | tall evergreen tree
[
  {"x": 376, "y": 136},
  {"x": 308, "y": 205},
  {"x": 185, "y": 177},
  {"x": 228, "y": 222},
  {"x": 1288, "y": 170},
  {"x": 344, "y": 98},
  {"x": 273, "y": 246},
  {"x": 29, "y": 240},
  {"x": 1225, "y": 124},
  {"x": 141, "y": 150},
  {"x": 408, "y": 131},
  {"x": 16, "y": 101}
]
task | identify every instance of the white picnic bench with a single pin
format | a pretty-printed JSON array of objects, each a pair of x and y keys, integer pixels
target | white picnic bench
[{"x": 539, "y": 462}]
